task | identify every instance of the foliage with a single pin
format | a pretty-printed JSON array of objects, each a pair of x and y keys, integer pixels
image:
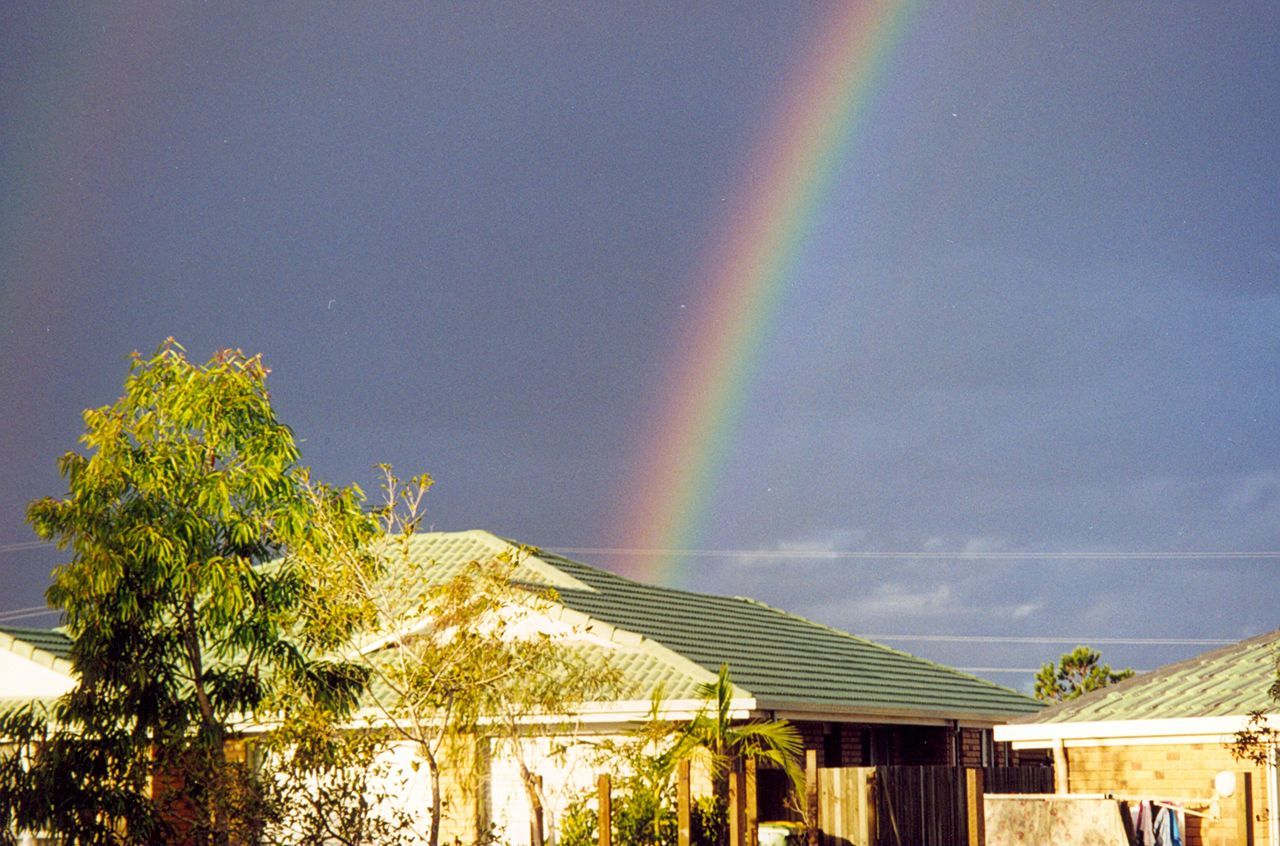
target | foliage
[
  {"x": 179, "y": 635},
  {"x": 1076, "y": 673},
  {"x": 469, "y": 659},
  {"x": 1258, "y": 741},
  {"x": 644, "y": 796},
  {"x": 714, "y": 734},
  {"x": 325, "y": 783},
  {"x": 710, "y": 821},
  {"x": 633, "y": 821}
]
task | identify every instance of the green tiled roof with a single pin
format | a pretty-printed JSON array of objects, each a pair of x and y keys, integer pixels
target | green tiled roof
[
  {"x": 1228, "y": 682},
  {"x": 781, "y": 660},
  {"x": 51, "y": 641}
]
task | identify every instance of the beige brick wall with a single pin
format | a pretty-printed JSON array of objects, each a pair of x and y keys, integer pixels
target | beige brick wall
[{"x": 1174, "y": 772}]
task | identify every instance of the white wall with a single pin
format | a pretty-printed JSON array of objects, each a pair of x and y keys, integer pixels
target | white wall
[
  {"x": 569, "y": 767},
  {"x": 22, "y": 678}
]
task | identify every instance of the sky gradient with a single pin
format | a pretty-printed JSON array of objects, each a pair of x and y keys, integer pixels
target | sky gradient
[{"x": 1031, "y": 309}]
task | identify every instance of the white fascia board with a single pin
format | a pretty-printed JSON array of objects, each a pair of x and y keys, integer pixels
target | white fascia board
[
  {"x": 1181, "y": 729},
  {"x": 595, "y": 714},
  {"x": 674, "y": 710}
]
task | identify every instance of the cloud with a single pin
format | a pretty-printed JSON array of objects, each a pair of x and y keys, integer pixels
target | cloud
[
  {"x": 1253, "y": 493},
  {"x": 952, "y": 606}
]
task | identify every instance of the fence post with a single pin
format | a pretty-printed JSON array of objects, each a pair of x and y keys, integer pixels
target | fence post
[
  {"x": 1244, "y": 808},
  {"x": 684, "y": 804},
  {"x": 974, "y": 786},
  {"x": 737, "y": 809},
  {"x": 751, "y": 803},
  {"x": 811, "y": 795},
  {"x": 867, "y": 805},
  {"x": 1061, "y": 773},
  {"x": 604, "y": 821}
]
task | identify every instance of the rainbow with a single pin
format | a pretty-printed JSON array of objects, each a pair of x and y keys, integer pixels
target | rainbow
[{"x": 744, "y": 275}]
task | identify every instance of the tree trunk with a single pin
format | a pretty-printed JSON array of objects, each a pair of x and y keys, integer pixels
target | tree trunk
[
  {"x": 533, "y": 787},
  {"x": 434, "y": 769}
]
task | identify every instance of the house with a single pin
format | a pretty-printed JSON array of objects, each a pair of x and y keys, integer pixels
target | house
[
  {"x": 854, "y": 701},
  {"x": 1165, "y": 735}
]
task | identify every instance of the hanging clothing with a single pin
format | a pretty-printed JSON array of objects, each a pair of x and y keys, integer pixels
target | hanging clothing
[
  {"x": 1166, "y": 829},
  {"x": 1141, "y": 815}
]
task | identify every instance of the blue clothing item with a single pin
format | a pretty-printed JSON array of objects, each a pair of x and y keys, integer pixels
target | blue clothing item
[{"x": 1165, "y": 828}]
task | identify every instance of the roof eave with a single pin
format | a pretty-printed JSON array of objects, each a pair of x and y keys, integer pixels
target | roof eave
[
  {"x": 1043, "y": 735},
  {"x": 828, "y": 712}
]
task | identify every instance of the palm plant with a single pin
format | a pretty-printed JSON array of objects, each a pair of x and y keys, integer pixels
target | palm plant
[{"x": 713, "y": 732}]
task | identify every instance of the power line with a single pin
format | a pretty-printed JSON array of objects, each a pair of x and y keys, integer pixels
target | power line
[
  {"x": 880, "y": 555},
  {"x": 24, "y": 613},
  {"x": 1104, "y": 641},
  {"x": 15, "y": 547},
  {"x": 1012, "y": 670},
  {"x": 906, "y": 555}
]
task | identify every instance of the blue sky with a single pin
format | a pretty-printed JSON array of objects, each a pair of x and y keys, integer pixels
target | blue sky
[{"x": 1036, "y": 312}]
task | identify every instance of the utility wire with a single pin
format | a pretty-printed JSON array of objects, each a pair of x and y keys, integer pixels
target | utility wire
[
  {"x": 15, "y": 547},
  {"x": 24, "y": 613},
  {"x": 1015, "y": 670},
  {"x": 1104, "y": 641},
  {"x": 904, "y": 555},
  {"x": 1155, "y": 555}
]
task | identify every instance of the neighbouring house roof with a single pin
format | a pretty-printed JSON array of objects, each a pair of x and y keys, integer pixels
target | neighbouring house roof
[
  {"x": 780, "y": 661},
  {"x": 1227, "y": 682},
  {"x": 1210, "y": 695}
]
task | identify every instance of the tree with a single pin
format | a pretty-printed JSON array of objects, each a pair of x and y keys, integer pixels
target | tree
[
  {"x": 467, "y": 659},
  {"x": 180, "y": 635},
  {"x": 1076, "y": 673}
]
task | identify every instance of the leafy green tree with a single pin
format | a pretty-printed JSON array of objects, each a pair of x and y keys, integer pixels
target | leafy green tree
[
  {"x": 1075, "y": 674},
  {"x": 189, "y": 483}
]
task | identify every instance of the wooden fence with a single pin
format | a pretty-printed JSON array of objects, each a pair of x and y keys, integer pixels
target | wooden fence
[
  {"x": 865, "y": 806},
  {"x": 908, "y": 805}
]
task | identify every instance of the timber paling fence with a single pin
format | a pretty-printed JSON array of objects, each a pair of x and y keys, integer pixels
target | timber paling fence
[
  {"x": 863, "y": 806},
  {"x": 909, "y": 805},
  {"x": 928, "y": 806}
]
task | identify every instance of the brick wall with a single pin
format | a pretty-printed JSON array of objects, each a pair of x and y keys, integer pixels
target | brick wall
[
  {"x": 838, "y": 744},
  {"x": 1174, "y": 772},
  {"x": 971, "y": 747}
]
